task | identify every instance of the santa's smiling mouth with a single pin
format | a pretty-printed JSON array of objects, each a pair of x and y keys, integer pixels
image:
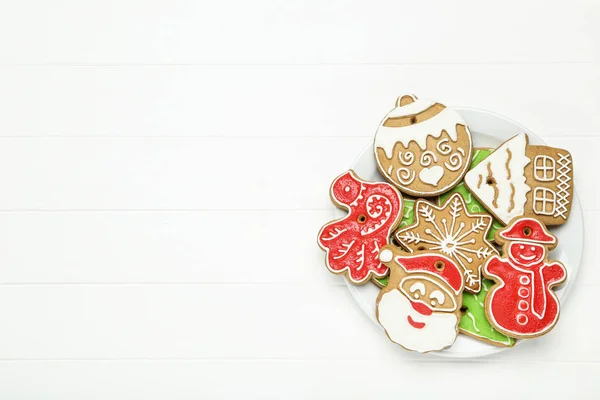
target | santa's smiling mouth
[
  {"x": 415, "y": 324},
  {"x": 526, "y": 258}
]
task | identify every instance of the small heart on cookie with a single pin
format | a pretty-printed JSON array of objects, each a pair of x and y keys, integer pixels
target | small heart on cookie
[{"x": 431, "y": 175}]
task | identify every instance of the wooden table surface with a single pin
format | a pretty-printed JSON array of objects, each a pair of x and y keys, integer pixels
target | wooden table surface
[{"x": 165, "y": 166}]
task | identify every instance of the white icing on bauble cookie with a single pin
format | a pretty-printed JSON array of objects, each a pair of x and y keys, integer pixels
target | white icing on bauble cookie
[{"x": 422, "y": 147}]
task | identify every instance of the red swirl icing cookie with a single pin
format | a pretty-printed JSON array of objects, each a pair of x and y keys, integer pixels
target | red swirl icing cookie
[{"x": 352, "y": 243}]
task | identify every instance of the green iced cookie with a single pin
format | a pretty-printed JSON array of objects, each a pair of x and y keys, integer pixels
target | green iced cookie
[
  {"x": 408, "y": 217},
  {"x": 474, "y": 321},
  {"x": 473, "y": 205}
]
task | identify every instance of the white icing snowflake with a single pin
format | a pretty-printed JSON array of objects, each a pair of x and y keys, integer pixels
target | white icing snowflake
[{"x": 453, "y": 231}]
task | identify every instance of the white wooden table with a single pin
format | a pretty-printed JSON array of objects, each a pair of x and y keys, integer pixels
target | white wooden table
[{"x": 164, "y": 169}]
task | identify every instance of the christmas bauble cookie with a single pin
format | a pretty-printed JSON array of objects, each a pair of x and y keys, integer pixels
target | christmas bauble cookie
[
  {"x": 422, "y": 147},
  {"x": 420, "y": 307}
]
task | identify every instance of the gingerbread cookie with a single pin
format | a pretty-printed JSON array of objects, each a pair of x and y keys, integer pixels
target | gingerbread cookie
[
  {"x": 474, "y": 322},
  {"x": 452, "y": 230},
  {"x": 352, "y": 243},
  {"x": 408, "y": 217},
  {"x": 422, "y": 147},
  {"x": 519, "y": 179},
  {"x": 420, "y": 307},
  {"x": 473, "y": 205},
  {"x": 522, "y": 304}
]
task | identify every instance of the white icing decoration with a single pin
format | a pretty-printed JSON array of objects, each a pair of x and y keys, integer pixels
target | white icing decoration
[
  {"x": 456, "y": 162},
  {"x": 386, "y": 256},
  {"x": 473, "y": 319},
  {"x": 405, "y": 176},
  {"x": 440, "y": 330},
  {"x": 497, "y": 162},
  {"x": 443, "y": 147},
  {"x": 438, "y": 295},
  {"x": 407, "y": 159},
  {"x": 431, "y": 175},
  {"x": 427, "y": 158},
  {"x": 417, "y": 286},
  {"x": 447, "y": 120},
  {"x": 562, "y": 196}
]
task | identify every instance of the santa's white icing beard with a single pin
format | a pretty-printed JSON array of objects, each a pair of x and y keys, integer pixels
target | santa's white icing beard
[{"x": 439, "y": 330}]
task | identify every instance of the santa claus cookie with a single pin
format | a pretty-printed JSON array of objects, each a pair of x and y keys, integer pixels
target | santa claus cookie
[
  {"x": 352, "y": 243},
  {"x": 452, "y": 230},
  {"x": 519, "y": 179},
  {"x": 419, "y": 308},
  {"x": 422, "y": 147},
  {"x": 522, "y": 304}
]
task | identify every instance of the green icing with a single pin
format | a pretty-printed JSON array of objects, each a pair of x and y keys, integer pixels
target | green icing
[
  {"x": 408, "y": 217},
  {"x": 474, "y": 321},
  {"x": 473, "y": 205}
]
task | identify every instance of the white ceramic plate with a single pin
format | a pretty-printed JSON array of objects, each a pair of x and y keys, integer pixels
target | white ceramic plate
[{"x": 488, "y": 130}]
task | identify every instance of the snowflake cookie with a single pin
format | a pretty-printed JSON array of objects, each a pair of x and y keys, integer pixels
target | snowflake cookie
[{"x": 453, "y": 231}]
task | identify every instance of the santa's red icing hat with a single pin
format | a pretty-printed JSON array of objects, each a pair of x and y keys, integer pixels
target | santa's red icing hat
[
  {"x": 435, "y": 264},
  {"x": 528, "y": 230}
]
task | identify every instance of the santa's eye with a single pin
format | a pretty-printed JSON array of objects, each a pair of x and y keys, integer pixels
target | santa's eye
[
  {"x": 437, "y": 296},
  {"x": 521, "y": 247},
  {"x": 532, "y": 248},
  {"x": 417, "y": 287}
]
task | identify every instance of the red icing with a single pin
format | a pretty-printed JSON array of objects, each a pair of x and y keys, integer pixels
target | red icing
[
  {"x": 528, "y": 229},
  {"x": 415, "y": 324},
  {"x": 421, "y": 308},
  {"x": 427, "y": 263},
  {"x": 524, "y": 304},
  {"x": 353, "y": 243}
]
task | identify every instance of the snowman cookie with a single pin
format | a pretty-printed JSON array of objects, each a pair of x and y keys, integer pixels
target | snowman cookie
[
  {"x": 422, "y": 147},
  {"x": 519, "y": 179},
  {"x": 420, "y": 307},
  {"x": 352, "y": 243},
  {"x": 522, "y": 302}
]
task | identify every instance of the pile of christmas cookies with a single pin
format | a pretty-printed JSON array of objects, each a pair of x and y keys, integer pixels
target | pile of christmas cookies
[{"x": 456, "y": 237}]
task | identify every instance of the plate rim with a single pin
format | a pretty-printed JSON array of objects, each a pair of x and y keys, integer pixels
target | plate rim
[{"x": 565, "y": 290}]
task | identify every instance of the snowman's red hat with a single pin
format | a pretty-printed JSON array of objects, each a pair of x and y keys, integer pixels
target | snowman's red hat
[
  {"x": 528, "y": 230},
  {"x": 436, "y": 264}
]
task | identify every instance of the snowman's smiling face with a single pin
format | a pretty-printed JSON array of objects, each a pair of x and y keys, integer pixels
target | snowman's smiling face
[{"x": 526, "y": 253}]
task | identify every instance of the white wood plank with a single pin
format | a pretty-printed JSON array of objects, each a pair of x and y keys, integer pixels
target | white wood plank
[
  {"x": 192, "y": 173},
  {"x": 163, "y": 247},
  {"x": 183, "y": 247},
  {"x": 311, "y": 31},
  {"x": 281, "y": 101},
  {"x": 175, "y": 173},
  {"x": 290, "y": 379},
  {"x": 232, "y": 321}
]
